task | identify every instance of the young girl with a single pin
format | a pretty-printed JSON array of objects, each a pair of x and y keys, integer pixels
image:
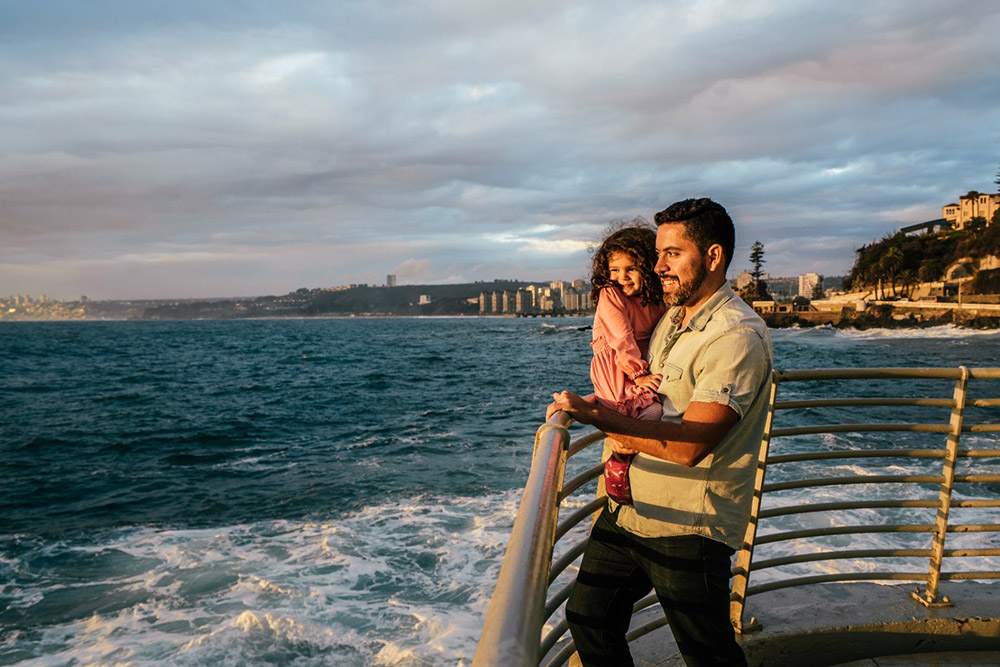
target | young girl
[{"x": 629, "y": 301}]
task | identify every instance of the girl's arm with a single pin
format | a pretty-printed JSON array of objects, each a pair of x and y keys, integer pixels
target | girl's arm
[{"x": 619, "y": 334}]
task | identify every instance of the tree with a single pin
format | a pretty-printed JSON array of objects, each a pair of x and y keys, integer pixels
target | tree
[
  {"x": 891, "y": 263},
  {"x": 908, "y": 279},
  {"x": 757, "y": 259},
  {"x": 755, "y": 290},
  {"x": 930, "y": 270},
  {"x": 997, "y": 179},
  {"x": 817, "y": 292}
]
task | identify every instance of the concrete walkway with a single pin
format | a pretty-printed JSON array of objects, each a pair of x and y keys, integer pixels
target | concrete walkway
[
  {"x": 855, "y": 625},
  {"x": 953, "y": 659}
]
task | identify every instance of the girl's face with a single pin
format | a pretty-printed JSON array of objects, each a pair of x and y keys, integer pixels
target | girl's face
[{"x": 624, "y": 271}]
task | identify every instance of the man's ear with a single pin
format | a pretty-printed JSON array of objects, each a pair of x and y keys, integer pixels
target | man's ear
[{"x": 715, "y": 256}]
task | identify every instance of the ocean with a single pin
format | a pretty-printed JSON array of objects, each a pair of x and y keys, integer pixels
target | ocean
[{"x": 292, "y": 492}]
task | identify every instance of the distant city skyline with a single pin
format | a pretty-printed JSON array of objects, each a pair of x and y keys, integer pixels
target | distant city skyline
[
  {"x": 188, "y": 150},
  {"x": 737, "y": 279}
]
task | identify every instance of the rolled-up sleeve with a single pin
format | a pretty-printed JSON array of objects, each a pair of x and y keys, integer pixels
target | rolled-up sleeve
[{"x": 731, "y": 370}]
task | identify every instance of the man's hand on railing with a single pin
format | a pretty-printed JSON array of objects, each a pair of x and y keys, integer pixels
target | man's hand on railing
[{"x": 581, "y": 408}]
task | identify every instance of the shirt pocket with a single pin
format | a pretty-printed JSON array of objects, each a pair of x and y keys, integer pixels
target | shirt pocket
[{"x": 671, "y": 373}]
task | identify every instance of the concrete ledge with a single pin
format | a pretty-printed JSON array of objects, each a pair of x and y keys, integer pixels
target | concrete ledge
[{"x": 832, "y": 624}]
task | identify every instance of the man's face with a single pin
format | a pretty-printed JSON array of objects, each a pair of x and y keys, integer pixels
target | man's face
[{"x": 680, "y": 265}]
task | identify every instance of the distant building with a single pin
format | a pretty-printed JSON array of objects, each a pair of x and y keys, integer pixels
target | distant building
[
  {"x": 533, "y": 295},
  {"x": 807, "y": 283},
  {"x": 577, "y": 301},
  {"x": 531, "y": 300},
  {"x": 571, "y": 301},
  {"x": 424, "y": 298},
  {"x": 972, "y": 205},
  {"x": 390, "y": 280},
  {"x": 557, "y": 294},
  {"x": 523, "y": 301},
  {"x": 743, "y": 280}
]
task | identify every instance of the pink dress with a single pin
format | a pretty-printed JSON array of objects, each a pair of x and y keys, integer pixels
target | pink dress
[{"x": 622, "y": 329}]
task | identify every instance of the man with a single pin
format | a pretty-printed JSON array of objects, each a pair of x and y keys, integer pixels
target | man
[{"x": 692, "y": 479}]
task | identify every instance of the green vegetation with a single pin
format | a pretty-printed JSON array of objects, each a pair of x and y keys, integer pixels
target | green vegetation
[
  {"x": 895, "y": 264},
  {"x": 757, "y": 259},
  {"x": 987, "y": 282},
  {"x": 455, "y": 299},
  {"x": 757, "y": 289}
]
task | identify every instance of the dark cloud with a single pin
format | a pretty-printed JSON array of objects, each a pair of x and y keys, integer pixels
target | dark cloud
[{"x": 185, "y": 149}]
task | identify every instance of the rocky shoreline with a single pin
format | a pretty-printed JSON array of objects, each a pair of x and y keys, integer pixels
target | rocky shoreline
[{"x": 882, "y": 317}]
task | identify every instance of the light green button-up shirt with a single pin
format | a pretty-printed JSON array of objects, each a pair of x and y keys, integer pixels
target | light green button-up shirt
[{"x": 723, "y": 356}]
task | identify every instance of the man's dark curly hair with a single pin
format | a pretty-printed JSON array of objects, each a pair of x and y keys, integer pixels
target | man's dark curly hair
[
  {"x": 706, "y": 223},
  {"x": 637, "y": 239}
]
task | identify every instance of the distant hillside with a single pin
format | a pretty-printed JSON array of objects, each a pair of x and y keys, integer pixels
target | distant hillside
[
  {"x": 902, "y": 260},
  {"x": 363, "y": 300},
  {"x": 405, "y": 299}
]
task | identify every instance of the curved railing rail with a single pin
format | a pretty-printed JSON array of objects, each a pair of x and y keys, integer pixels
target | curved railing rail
[
  {"x": 510, "y": 635},
  {"x": 520, "y": 628}
]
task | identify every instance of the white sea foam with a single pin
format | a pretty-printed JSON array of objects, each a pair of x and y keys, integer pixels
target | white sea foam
[
  {"x": 401, "y": 583},
  {"x": 826, "y": 332}
]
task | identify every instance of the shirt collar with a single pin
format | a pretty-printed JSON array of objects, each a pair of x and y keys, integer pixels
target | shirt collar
[{"x": 701, "y": 317}]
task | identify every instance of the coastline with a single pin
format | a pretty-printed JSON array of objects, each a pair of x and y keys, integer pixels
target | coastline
[
  {"x": 875, "y": 317},
  {"x": 843, "y": 311},
  {"x": 890, "y": 315}
]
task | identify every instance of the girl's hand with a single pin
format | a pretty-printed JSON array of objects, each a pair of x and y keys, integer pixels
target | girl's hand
[
  {"x": 651, "y": 382},
  {"x": 619, "y": 448}
]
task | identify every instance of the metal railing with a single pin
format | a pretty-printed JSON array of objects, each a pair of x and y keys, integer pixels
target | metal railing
[{"x": 518, "y": 611}]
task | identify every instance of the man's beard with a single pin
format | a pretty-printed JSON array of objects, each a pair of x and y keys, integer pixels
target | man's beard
[{"x": 684, "y": 291}]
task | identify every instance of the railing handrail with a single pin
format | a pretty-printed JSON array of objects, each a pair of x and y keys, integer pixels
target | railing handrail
[
  {"x": 518, "y": 609},
  {"x": 513, "y": 618}
]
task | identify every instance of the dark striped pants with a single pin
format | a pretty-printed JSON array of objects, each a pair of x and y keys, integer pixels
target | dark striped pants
[{"x": 690, "y": 575}]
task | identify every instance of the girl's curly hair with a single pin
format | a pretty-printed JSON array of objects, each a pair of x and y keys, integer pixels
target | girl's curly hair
[{"x": 637, "y": 239}]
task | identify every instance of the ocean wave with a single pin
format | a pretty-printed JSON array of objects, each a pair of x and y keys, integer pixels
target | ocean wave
[
  {"x": 398, "y": 583},
  {"x": 826, "y": 332}
]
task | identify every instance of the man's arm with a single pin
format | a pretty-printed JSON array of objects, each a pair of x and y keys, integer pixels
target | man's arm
[{"x": 700, "y": 431}]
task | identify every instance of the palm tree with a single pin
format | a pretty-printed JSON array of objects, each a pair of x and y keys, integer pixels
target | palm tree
[
  {"x": 908, "y": 279},
  {"x": 870, "y": 277},
  {"x": 890, "y": 263},
  {"x": 930, "y": 270}
]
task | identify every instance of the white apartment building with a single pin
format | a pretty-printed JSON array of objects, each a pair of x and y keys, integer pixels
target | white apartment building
[{"x": 807, "y": 282}]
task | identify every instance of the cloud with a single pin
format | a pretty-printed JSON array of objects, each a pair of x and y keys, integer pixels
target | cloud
[
  {"x": 326, "y": 142},
  {"x": 414, "y": 270}
]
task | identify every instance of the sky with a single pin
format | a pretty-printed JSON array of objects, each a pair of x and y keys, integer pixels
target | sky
[{"x": 208, "y": 149}]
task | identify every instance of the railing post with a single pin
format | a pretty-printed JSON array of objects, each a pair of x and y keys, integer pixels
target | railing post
[
  {"x": 944, "y": 498},
  {"x": 741, "y": 575}
]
